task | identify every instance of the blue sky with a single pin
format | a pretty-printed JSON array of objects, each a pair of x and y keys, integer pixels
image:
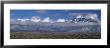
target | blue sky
[{"x": 53, "y": 14}]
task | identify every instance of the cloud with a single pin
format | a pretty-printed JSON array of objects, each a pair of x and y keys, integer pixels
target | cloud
[
  {"x": 79, "y": 16},
  {"x": 92, "y": 16},
  {"x": 41, "y": 11},
  {"x": 21, "y": 20},
  {"x": 60, "y": 20},
  {"x": 84, "y": 15},
  {"x": 47, "y": 19},
  {"x": 35, "y": 19}
]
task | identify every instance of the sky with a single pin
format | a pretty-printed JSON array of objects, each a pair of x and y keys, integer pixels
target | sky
[{"x": 52, "y": 14}]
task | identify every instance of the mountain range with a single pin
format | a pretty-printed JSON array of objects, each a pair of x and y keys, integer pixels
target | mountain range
[{"x": 77, "y": 24}]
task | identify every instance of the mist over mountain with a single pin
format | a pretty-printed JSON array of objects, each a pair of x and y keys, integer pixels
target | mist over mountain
[{"x": 80, "y": 23}]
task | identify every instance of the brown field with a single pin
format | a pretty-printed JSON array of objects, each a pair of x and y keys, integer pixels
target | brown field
[{"x": 55, "y": 35}]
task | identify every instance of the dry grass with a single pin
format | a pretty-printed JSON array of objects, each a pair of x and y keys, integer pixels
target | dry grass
[{"x": 55, "y": 35}]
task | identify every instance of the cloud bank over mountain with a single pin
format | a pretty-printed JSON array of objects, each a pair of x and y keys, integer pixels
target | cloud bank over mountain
[
  {"x": 79, "y": 17},
  {"x": 35, "y": 19},
  {"x": 80, "y": 23}
]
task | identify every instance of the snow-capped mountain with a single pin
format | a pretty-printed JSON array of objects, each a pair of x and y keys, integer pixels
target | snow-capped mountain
[{"x": 55, "y": 27}]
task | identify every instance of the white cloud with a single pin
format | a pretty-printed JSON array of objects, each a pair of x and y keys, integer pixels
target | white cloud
[
  {"x": 47, "y": 19},
  {"x": 84, "y": 15},
  {"x": 35, "y": 19},
  {"x": 79, "y": 16},
  {"x": 18, "y": 19},
  {"x": 27, "y": 19},
  {"x": 92, "y": 16},
  {"x": 22, "y": 20},
  {"x": 60, "y": 20}
]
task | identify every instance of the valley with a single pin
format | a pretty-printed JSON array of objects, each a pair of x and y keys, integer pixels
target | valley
[{"x": 55, "y": 35}]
